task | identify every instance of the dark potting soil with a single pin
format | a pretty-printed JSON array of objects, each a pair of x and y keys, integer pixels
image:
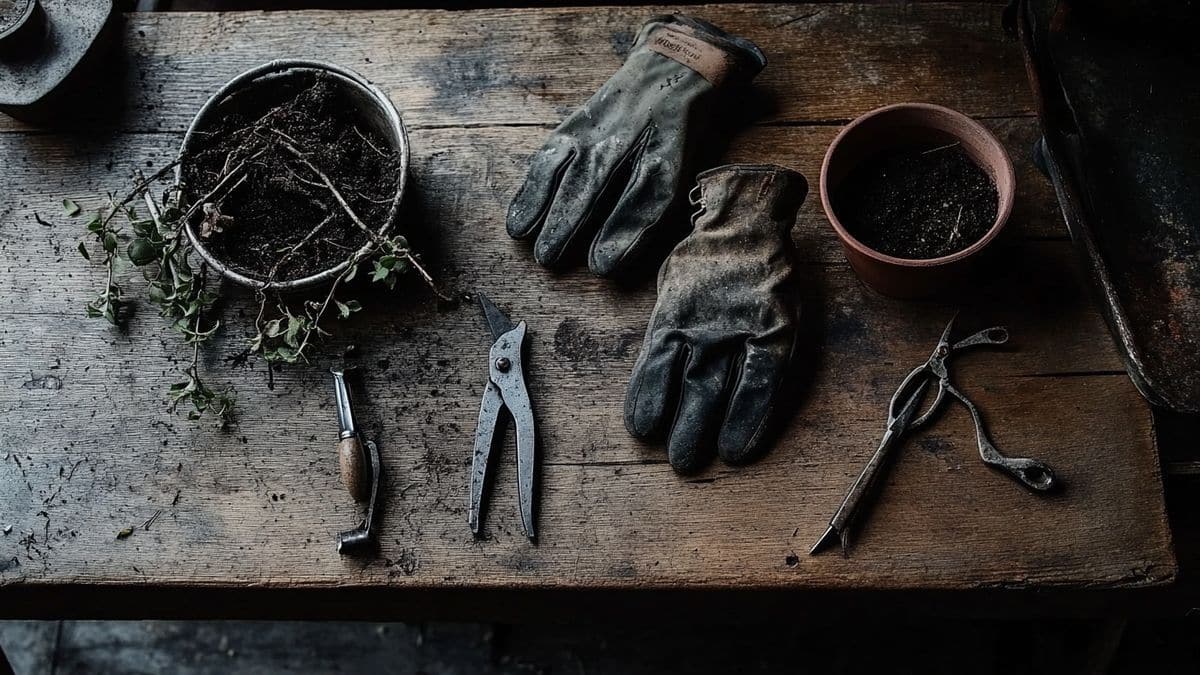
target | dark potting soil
[
  {"x": 276, "y": 201},
  {"x": 917, "y": 202}
]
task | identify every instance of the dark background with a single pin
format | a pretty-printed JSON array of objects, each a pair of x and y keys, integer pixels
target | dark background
[{"x": 711, "y": 644}]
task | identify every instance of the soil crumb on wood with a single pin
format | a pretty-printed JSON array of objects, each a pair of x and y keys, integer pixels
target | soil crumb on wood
[
  {"x": 277, "y": 202},
  {"x": 918, "y": 202}
]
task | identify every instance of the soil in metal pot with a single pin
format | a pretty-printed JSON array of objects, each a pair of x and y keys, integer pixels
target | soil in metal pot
[
  {"x": 11, "y": 11},
  {"x": 917, "y": 202},
  {"x": 267, "y": 213}
]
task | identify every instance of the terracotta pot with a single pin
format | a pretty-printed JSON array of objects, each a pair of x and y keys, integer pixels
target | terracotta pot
[{"x": 908, "y": 124}]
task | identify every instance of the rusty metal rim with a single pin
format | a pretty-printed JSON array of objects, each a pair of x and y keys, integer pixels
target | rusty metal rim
[{"x": 248, "y": 79}]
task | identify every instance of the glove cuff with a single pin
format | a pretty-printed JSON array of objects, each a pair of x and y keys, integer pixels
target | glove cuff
[
  {"x": 761, "y": 197},
  {"x": 716, "y": 55}
]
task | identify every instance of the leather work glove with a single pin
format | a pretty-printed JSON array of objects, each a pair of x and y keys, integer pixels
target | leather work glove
[
  {"x": 722, "y": 335},
  {"x": 612, "y": 171}
]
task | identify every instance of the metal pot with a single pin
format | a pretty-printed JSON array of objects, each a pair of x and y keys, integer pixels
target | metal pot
[
  {"x": 905, "y": 124},
  {"x": 378, "y": 113},
  {"x": 52, "y": 54}
]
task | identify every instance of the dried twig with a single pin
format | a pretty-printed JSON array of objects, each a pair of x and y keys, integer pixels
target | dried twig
[
  {"x": 368, "y": 142},
  {"x": 138, "y": 187},
  {"x": 337, "y": 195},
  {"x": 150, "y": 521},
  {"x": 954, "y": 233},
  {"x": 940, "y": 147}
]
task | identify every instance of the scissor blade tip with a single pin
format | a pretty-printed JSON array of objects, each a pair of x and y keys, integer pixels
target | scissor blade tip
[{"x": 829, "y": 535}]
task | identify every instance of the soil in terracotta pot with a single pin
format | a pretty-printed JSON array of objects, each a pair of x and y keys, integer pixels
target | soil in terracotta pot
[
  {"x": 917, "y": 202},
  {"x": 276, "y": 214}
]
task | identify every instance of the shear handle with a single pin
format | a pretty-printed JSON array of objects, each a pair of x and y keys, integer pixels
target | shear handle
[
  {"x": 996, "y": 335},
  {"x": 1033, "y": 474},
  {"x": 914, "y": 385}
]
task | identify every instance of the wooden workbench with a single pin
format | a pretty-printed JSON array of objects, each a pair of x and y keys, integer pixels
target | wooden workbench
[{"x": 248, "y": 516}]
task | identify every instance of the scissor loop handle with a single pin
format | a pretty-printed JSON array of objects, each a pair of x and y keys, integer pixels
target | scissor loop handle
[
  {"x": 910, "y": 387},
  {"x": 1031, "y": 473},
  {"x": 996, "y": 335}
]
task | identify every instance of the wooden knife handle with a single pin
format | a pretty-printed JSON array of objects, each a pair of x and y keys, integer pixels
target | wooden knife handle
[{"x": 354, "y": 468}]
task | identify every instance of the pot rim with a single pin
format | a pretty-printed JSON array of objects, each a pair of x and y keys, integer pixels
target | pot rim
[
  {"x": 247, "y": 79},
  {"x": 1004, "y": 200},
  {"x": 18, "y": 24}
]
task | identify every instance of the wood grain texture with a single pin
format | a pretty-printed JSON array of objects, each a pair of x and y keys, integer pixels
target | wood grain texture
[
  {"x": 87, "y": 447},
  {"x": 532, "y": 66}
]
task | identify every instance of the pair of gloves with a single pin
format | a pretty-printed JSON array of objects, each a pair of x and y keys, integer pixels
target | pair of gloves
[{"x": 613, "y": 178}]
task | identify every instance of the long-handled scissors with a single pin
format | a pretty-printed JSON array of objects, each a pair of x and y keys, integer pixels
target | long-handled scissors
[
  {"x": 1031, "y": 473},
  {"x": 505, "y": 389}
]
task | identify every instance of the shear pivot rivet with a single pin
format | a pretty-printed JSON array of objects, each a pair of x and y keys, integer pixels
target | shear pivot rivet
[{"x": 503, "y": 364}]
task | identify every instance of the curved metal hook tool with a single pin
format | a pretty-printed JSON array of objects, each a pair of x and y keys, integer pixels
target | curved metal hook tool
[{"x": 1033, "y": 474}]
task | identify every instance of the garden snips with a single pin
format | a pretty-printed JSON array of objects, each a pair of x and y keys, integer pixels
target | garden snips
[
  {"x": 902, "y": 418},
  {"x": 505, "y": 389}
]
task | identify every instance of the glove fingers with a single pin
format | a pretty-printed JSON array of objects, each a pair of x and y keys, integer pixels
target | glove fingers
[
  {"x": 654, "y": 387},
  {"x": 701, "y": 404},
  {"x": 569, "y": 218},
  {"x": 751, "y": 406},
  {"x": 645, "y": 202},
  {"x": 529, "y": 206}
]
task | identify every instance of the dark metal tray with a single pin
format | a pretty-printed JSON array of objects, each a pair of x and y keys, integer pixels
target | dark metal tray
[{"x": 1119, "y": 101}]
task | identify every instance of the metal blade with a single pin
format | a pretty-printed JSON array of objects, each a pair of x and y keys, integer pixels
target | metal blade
[
  {"x": 910, "y": 408},
  {"x": 949, "y": 327},
  {"x": 485, "y": 436},
  {"x": 831, "y": 533},
  {"x": 510, "y": 379},
  {"x": 526, "y": 457},
  {"x": 498, "y": 321},
  {"x": 844, "y": 518}
]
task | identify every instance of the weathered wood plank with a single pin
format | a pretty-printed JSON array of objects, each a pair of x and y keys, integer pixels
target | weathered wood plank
[
  {"x": 260, "y": 505},
  {"x": 531, "y": 66},
  {"x": 500, "y": 155},
  {"x": 89, "y": 449}
]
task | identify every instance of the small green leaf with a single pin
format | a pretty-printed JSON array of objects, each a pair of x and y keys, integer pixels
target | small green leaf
[
  {"x": 141, "y": 252},
  {"x": 380, "y": 272},
  {"x": 84, "y": 252},
  {"x": 144, "y": 228},
  {"x": 95, "y": 224},
  {"x": 274, "y": 328},
  {"x": 110, "y": 242},
  {"x": 157, "y": 295},
  {"x": 354, "y": 305},
  {"x": 291, "y": 337},
  {"x": 70, "y": 208},
  {"x": 351, "y": 273},
  {"x": 343, "y": 309},
  {"x": 388, "y": 261},
  {"x": 125, "y": 533}
]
